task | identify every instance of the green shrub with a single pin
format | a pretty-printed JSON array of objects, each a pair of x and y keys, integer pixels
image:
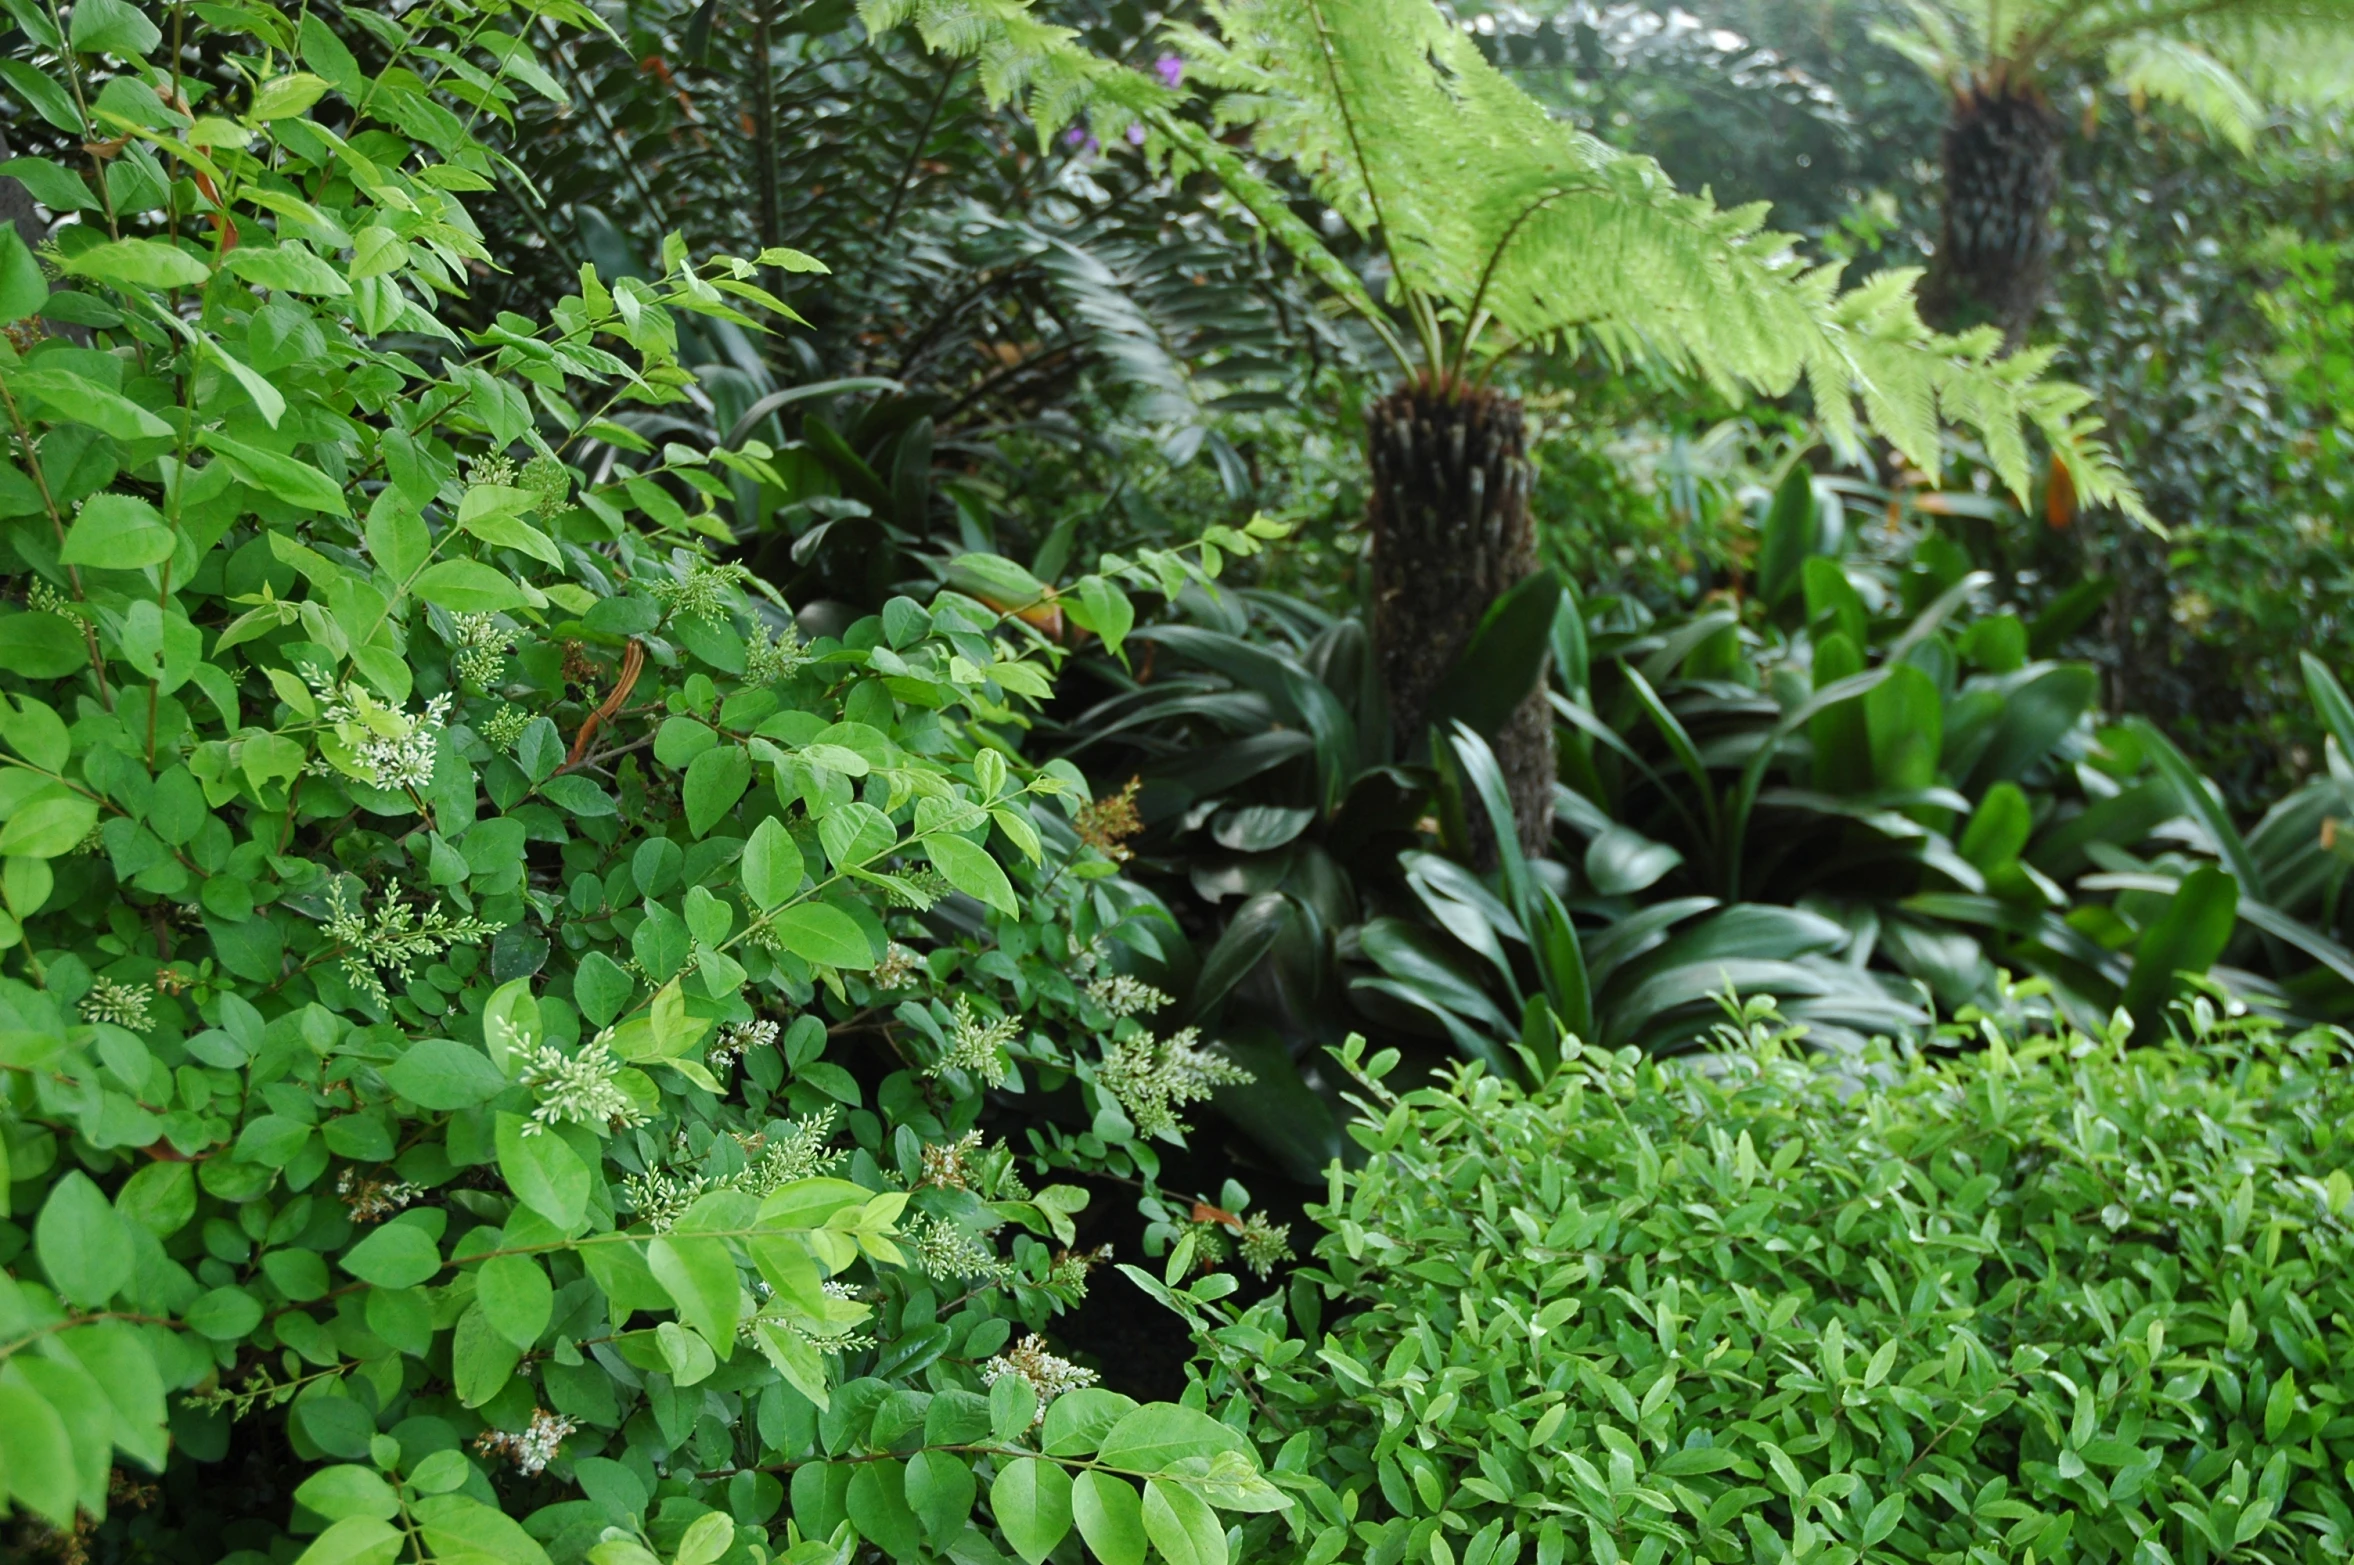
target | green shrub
[
  {"x": 490, "y": 1014},
  {"x": 2049, "y": 1300}
]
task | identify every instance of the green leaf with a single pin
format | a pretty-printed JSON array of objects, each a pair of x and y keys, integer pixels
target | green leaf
[
  {"x": 1907, "y": 725},
  {"x": 48, "y": 827},
  {"x": 543, "y": 1171},
  {"x": 1503, "y": 662},
  {"x": 1182, "y": 1525},
  {"x": 469, "y": 587},
  {"x": 481, "y": 1361},
  {"x": 396, "y": 1255},
  {"x": 460, "y": 1530},
  {"x": 877, "y": 1502},
  {"x": 2280, "y": 1405},
  {"x": 49, "y": 100},
  {"x": 118, "y": 532},
  {"x": 1013, "y": 1407},
  {"x": 1159, "y": 1434},
  {"x": 972, "y": 871},
  {"x": 41, "y": 646},
  {"x": 2188, "y": 937},
  {"x": 115, "y": 27},
  {"x": 700, "y": 1276},
  {"x": 84, "y": 1246},
  {"x": 1788, "y": 537},
  {"x": 706, "y": 1539},
  {"x": 440, "y": 1075},
  {"x": 2200, "y": 801},
  {"x": 516, "y": 1297},
  {"x": 339, "y": 1492},
  {"x": 1110, "y": 1514},
  {"x": 108, "y": 412},
  {"x": 1078, "y": 1421},
  {"x": 817, "y": 933},
  {"x": 140, "y": 263},
  {"x": 772, "y": 866},
  {"x": 160, "y": 1198},
  {"x": 323, "y": 52},
  {"x": 1031, "y": 1500},
  {"x": 288, "y": 478},
  {"x": 23, "y": 290},
  {"x": 1884, "y": 1518},
  {"x": 940, "y": 1490},
  {"x": 223, "y": 1315},
  {"x": 716, "y": 779},
  {"x": 37, "y": 1455},
  {"x": 285, "y": 97}
]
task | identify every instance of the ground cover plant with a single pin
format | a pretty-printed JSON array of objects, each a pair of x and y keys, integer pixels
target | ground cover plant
[
  {"x": 2054, "y": 1295},
  {"x": 446, "y": 1115}
]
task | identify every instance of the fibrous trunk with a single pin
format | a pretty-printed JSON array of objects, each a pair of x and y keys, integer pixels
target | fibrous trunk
[
  {"x": 2002, "y": 170},
  {"x": 1451, "y": 534}
]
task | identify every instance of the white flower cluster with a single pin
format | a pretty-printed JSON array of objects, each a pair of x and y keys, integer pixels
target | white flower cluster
[
  {"x": 122, "y": 1005},
  {"x": 661, "y": 1197},
  {"x": 506, "y": 725},
  {"x": 534, "y": 1448},
  {"x": 1153, "y": 1078},
  {"x": 1125, "y": 996},
  {"x": 977, "y": 1046},
  {"x": 390, "y": 749},
  {"x": 706, "y": 591},
  {"x": 398, "y": 939},
  {"x": 480, "y": 651},
  {"x": 897, "y": 968},
  {"x": 373, "y": 1200},
  {"x": 735, "y": 1039},
  {"x": 946, "y": 1251},
  {"x": 1049, "y": 1375},
  {"x": 771, "y": 655},
  {"x": 578, "y": 1089}
]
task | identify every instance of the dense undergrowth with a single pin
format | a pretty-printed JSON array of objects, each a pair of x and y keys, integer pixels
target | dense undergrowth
[{"x": 700, "y": 821}]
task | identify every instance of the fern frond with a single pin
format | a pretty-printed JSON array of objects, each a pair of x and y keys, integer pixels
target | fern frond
[
  {"x": 1497, "y": 216},
  {"x": 2172, "y": 71}
]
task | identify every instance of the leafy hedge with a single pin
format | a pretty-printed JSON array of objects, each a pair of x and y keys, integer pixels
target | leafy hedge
[
  {"x": 486, "y": 1004},
  {"x": 2052, "y": 1299}
]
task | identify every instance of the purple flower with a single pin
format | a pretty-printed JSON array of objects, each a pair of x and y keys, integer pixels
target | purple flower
[
  {"x": 1079, "y": 136},
  {"x": 1136, "y": 135},
  {"x": 1170, "y": 69}
]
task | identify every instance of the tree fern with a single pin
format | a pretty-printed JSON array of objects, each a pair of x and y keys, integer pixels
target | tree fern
[
  {"x": 1504, "y": 227},
  {"x": 2222, "y": 60}
]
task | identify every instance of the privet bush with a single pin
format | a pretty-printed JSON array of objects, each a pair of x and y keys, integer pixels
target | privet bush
[
  {"x": 486, "y": 1008},
  {"x": 2053, "y": 1300}
]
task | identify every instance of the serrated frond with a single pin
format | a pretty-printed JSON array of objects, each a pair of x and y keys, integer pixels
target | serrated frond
[{"x": 2172, "y": 71}]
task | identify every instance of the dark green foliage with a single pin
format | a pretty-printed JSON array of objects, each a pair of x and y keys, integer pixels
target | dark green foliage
[
  {"x": 2050, "y": 1295},
  {"x": 501, "y": 1030}
]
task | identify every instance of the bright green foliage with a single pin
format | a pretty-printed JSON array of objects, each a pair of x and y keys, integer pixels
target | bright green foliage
[
  {"x": 1494, "y": 214},
  {"x": 2221, "y": 60},
  {"x": 443, "y": 909},
  {"x": 2048, "y": 1296}
]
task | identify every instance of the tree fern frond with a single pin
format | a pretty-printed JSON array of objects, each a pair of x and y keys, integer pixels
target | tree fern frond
[
  {"x": 2173, "y": 71},
  {"x": 1493, "y": 211},
  {"x": 2216, "y": 58}
]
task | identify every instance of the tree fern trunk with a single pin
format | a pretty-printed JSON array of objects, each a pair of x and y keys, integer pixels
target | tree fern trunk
[
  {"x": 1451, "y": 533},
  {"x": 2002, "y": 171}
]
